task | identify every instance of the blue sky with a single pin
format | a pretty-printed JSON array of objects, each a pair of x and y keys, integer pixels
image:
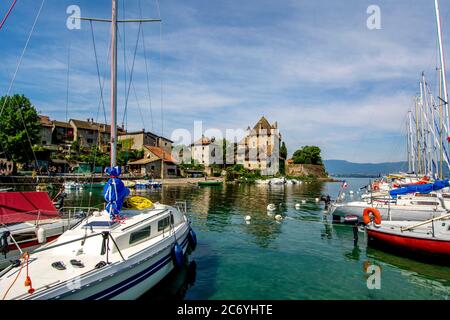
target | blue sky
[{"x": 313, "y": 66}]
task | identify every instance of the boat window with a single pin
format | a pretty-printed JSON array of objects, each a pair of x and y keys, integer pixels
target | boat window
[
  {"x": 140, "y": 234},
  {"x": 164, "y": 223},
  {"x": 427, "y": 203}
]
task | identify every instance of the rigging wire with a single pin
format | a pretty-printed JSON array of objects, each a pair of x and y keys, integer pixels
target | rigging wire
[
  {"x": 101, "y": 103},
  {"x": 21, "y": 56},
  {"x": 102, "y": 100},
  {"x": 147, "y": 71},
  {"x": 132, "y": 72}
]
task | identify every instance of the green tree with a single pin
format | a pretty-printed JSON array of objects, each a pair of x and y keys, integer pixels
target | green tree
[
  {"x": 20, "y": 128},
  {"x": 308, "y": 155},
  {"x": 283, "y": 151},
  {"x": 283, "y": 158}
]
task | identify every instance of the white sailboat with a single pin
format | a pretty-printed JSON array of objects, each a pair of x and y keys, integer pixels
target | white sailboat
[{"x": 112, "y": 254}]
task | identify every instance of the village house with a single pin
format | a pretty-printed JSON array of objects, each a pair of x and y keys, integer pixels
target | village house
[
  {"x": 62, "y": 133},
  {"x": 139, "y": 139},
  {"x": 206, "y": 152},
  {"x": 46, "y": 130},
  {"x": 260, "y": 148},
  {"x": 156, "y": 163},
  {"x": 89, "y": 133}
]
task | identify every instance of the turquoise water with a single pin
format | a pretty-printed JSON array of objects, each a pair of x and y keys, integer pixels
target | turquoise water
[{"x": 305, "y": 256}]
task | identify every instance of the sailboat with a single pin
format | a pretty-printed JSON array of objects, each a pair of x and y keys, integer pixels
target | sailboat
[
  {"x": 117, "y": 253},
  {"x": 430, "y": 238}
]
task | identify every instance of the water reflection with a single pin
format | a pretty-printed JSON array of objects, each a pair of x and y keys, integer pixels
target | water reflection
[{"x": 306, "y": 242}]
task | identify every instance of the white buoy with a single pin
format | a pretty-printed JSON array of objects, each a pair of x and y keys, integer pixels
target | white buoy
[
  {"x": 303, "y": 201},
  {"x": 317, "y": 199},
  {"x": 248, "y": 218},
  {"x": 271, "y": 207},
  {"x": 40, "y": 233},
  {"x": 297, "y": 206},
  {"x": 351, "y": 192},
  {"x": 278, "y": 217}
]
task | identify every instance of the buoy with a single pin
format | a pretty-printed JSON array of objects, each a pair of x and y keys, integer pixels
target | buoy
[
  {"x": 248, "y": 218},
  {"x": 192, "y": 238},
  {"x": 351, "y": 192},
  {"x": 40, "y": 233},
  {"x": 177, "y": 255},
  {"x": 317, "y": 199},
  {"x": 278, "y": 217},
  {"x": 303, "y": 201},
  {"x": 271, "y": 207},
  {"x": 297, "y": 206}
]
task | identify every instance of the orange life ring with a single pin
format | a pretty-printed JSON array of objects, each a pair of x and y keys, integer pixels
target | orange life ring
[{"x": 376, "y": 214}]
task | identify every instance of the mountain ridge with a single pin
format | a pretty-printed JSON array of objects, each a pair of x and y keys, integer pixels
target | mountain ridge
[{"x": 344, "y": 167}]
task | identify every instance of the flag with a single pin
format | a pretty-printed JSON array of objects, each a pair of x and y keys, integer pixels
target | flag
[{"x": 344, "y": 185}]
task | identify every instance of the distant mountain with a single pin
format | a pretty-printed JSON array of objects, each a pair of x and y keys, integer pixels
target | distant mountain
[{"x": 346, "y": 168}]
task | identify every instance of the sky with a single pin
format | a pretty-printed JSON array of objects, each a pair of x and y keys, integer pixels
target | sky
[{"x": 312, "y": 66}]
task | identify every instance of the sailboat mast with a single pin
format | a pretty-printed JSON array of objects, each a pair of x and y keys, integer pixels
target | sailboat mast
[
  {"x": 114, "y": 84},
  {"x": 442, "y": 58}
]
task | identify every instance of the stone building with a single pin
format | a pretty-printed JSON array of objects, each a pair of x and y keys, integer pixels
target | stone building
[
  {"x": 139, "y": 139},
  {"x": 156, "y": 163},
  {"x": 260, "y": 148},
  {"x": 206, "y": 151}
]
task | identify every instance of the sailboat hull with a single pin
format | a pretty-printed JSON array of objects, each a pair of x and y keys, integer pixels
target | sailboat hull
[
  {"x": 424, "y": 246},
  {"x": 126, "y": 280}
]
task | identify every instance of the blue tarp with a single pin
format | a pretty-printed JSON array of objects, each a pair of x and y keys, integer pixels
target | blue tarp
[
  {"x": 421, "y": 188},
  {"x": 115, "y": 192}
]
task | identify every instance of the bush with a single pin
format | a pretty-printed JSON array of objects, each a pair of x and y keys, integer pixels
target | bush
[{"x": 308, "y": 155}]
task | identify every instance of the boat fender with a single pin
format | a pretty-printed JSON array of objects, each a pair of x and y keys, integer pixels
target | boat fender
[
  {"x": 41, "y": 235},
  {"x": 177, "y": 255},
  {"x": 368, "y": 213},
  {"x": 192, "y": 238}
]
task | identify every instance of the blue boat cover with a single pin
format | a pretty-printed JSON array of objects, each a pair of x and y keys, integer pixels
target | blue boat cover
[
  {"x": 420, "y": 188},
  {"x": 115, "y": 193}
]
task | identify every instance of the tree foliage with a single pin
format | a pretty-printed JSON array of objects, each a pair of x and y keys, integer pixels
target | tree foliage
[
  {"x": 20, "y": 128},
  {"x": 283, "y": 157},
  {"x": 308, "y": 155},
  {"x": 283, "y": 151}
]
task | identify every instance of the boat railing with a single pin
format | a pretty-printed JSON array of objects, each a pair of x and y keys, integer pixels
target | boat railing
[
  {"x": 181, "y": 206},
  {"x": 445, "y": 216}
]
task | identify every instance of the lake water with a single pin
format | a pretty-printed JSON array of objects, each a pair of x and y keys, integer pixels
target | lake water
[{"x": 305, "y": 256}]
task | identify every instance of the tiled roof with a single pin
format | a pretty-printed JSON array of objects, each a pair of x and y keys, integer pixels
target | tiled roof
[
  {"x": 91, "y": 125},
  {"x": 203, "y": 141},
  {"x": 140, "y": 161},
  {"x": 45, "y": 121},
  {"x": 133, "y": 133},
  {"x": 161, "y": 154},
  {"x": 57, "y": 123}
]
